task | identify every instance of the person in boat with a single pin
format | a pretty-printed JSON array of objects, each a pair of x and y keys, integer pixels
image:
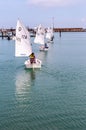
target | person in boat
[
  {"x": 32, "y": 58},
  {"x": 46, "y": 45},
  {"x": 52, "y": 38}
]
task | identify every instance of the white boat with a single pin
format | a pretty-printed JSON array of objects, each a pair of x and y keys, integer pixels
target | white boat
[
  {"x": 23, "y": 46},
  {"x": 40, "y": 38},
  {"x": 43, "y": 48},
  {"x": 33, "y": 65},
  {"x": 49, "y": 34}
]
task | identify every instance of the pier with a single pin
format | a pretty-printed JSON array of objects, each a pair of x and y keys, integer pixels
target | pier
[
  {"x": 69, "y": 30},
  {"x": 7, "y": 33}
]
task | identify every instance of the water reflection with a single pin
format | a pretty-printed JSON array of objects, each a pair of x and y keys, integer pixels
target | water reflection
[
  {"x": 24, "y": 80},
  {"x": 43, "y": 55}
]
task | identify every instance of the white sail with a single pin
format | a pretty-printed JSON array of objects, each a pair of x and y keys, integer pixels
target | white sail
[
  {"x": 49, "y": 33},
  {"x": 39, "y": 35},
  {"x": 22, "y": 44}
]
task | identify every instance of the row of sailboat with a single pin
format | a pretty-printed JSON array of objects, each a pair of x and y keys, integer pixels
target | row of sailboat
[
  {"x": 23, "y": 47},
  {"x": 40, "y": 37}
]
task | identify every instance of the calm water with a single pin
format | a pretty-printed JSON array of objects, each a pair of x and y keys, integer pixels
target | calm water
[{"x": 52, "y": 98}]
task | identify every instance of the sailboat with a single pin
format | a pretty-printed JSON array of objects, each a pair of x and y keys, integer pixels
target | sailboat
[
  {"x": 49, "y": 34},
  {"x": 23, "y": 46},
  {"x": 40, "y": 38}
]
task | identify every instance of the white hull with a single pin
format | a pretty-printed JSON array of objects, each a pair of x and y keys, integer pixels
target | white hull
[
  {"x": 42, "y": 48},
  {"x": 28, "y": 65}
]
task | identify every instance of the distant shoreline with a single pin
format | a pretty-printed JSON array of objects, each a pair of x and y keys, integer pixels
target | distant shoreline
[{"x": 11, "y": 30}]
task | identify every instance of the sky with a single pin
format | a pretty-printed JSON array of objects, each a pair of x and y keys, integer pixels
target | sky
[{"x": 57, "y": 13}]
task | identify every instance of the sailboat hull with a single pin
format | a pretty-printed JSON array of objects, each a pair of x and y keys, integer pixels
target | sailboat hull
[
  {"x": 28, "y": 65},
  {"x": 42, "y": 48}
]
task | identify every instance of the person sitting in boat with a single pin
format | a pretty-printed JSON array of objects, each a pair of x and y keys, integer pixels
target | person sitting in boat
[
  {"x": 32, "y": 58},
  {"x": 52, "y": 38},
  {"x": 46, "y": 45}
]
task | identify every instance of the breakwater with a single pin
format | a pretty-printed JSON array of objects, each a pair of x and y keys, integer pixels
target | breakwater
[{"x": 69, "y": 30}]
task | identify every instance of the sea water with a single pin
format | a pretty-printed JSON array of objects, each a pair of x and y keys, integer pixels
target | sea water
[{"x": 50, "y": 98}]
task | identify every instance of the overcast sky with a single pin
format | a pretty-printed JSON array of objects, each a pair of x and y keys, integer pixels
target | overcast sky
[{"x": 61, "y": 13}]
